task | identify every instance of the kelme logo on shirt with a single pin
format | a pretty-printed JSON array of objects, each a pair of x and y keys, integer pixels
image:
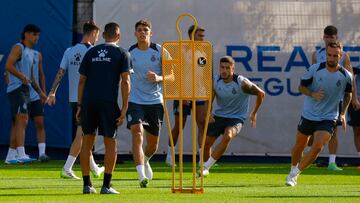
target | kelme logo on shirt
[
  {"x": 201, "y": 61},
  {"x": 102, "y": 56}
]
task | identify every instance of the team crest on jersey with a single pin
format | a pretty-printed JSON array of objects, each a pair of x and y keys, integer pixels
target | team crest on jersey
[
  {"x": 233, "y": 90},
  {"x": 102, "y": 56},
  {"x": 77, "y": 57},
  {"x": 201, "y": 61},
  {"x": 338, "y": 83},
  {"x": 153, "y": 58},
  {"x": 77, "y": 60}
]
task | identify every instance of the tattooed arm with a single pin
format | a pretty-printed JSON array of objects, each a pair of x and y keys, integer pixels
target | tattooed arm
[
  {"x": 37, "y": 88},
  {"x": 51, "y": 99},
  {"x": 250, "y": 88}
]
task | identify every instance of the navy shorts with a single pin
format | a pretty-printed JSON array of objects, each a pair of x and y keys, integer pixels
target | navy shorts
[
  {"x": 186, "y": 108},
  {"x": 150, "y": 116},
  {"x": 309, "y": 127},
  {"x": 101, "y": 116},
  {"x": 354, "y": 116},
  {"x": 19, "y": 100},
  {"x": 218, "y": 127},
  {"x": 36, "y": 108}
]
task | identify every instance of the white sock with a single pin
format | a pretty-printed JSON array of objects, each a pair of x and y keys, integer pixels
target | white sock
[
  {"x": 332, "y": 158},
  {"x": 209, "y": 163},
  {"x": 69, "y": 163},
  {"x": 93, "y": 165},
  {"x": 296, "y": 171},
  {"x": 359, "y": 153},
  {"x": 11, "y": 155},
  {"x": 42, "y": 147},
  {"x": 293, "y": 167},
  {"x": 21, "y": 151},
  {"x": 141, "y": 171}
]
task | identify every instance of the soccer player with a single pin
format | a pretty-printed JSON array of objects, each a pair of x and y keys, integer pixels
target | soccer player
[
  {"x": 20, "y": 66},
  {"x": 36, "y": 111},
  {"x": 319, "y": 56},
  {"x": 146, "y": 99},
  {"x": 324, "y": 85},
  {"x": 201, "y": 109},
  {"x": 232, "y": 93},
  {"x": 71, "y": 63},
  {"x": 101, "y": 70},
  {"x": 354, "y": 110}
]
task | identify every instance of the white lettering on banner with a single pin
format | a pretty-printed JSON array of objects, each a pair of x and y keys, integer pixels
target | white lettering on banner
[{"x": 274, "y": 83}]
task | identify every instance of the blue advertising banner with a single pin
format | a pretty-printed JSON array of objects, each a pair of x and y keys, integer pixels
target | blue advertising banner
[{"x": 55, "y": 19}]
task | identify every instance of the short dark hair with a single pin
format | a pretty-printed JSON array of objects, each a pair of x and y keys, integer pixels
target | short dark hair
[
  {"x": 30, "y": 28},
  {"x": 191, "y": 29},
  {"x": 227, "y": 59},
  {"x": 110, "y": 30},
  {"x": 335, "y": 44},
  {"x": 330, "y": 30},
  {"x": 90, "y": 26},
  {"x": 143, "y": 22}
]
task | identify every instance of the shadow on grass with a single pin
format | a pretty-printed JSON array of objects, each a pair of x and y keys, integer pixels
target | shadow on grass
[
  {"x": 305, "y": 196},
  {"x": 32, "y": 195}
]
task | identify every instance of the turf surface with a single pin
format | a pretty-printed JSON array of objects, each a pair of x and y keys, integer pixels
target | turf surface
[{"x": 228, "y": 182}]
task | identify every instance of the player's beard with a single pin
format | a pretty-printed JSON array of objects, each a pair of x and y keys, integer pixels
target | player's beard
[
  {"x": 331, "y": 64},
  {"x": 225, "y": 76}
]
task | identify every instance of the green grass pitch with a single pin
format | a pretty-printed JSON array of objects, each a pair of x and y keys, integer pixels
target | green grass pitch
[{"x": 228, "y": 182}]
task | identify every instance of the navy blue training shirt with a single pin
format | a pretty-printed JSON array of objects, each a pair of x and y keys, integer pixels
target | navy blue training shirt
[{"x": 102, "y": 65}]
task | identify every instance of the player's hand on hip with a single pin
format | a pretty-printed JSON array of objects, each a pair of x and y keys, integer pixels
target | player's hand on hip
[
  {"x": 152, "y": 77},
  {"x": 253, "y": 120},
  {"x": 25, "y": 80},
  {"x": 318, "y": 95}
]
